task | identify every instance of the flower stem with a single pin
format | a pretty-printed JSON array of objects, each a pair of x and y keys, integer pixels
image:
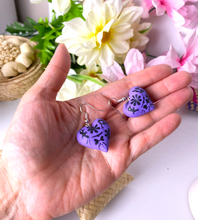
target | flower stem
[
  {"x": 151, "y": 9},
  {"x": 73, "y": 59},
  {"x": 51, "y": 26},
  {"x": 149, "y": 55}
]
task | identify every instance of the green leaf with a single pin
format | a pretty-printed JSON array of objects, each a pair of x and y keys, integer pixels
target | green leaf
[
  {"x": 53, "y": 17},
  {"x": 75, "y": 11},
  {"x": 26, "y": 29},
  {"x": 49, "y": 33},
  {"x": 145, "y": 30},
  {"x": 74, "y": 79},
  {"x": 49, "y": 45},
  {"x": 40, "y": 21},
  {"x": 44, "y": 33},
  {"x": 84, "y": 77},
  {"x": 35, "y": 38},
  {"x": 31, "y": 21}
]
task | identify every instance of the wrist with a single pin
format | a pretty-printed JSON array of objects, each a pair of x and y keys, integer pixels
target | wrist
[{"x": 9, "y": 197}]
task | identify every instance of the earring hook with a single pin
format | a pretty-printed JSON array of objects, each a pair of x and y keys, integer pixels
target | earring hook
[
  {"x": 86, "y": 114},
  {"x": 109, "y": 102},
  {"x": 118, "y": 101}
]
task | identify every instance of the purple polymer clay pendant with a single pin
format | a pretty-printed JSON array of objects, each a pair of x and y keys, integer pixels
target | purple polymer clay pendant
[
  {"x": 95, "y": 136},
  {"x": 139, "y": 103}
]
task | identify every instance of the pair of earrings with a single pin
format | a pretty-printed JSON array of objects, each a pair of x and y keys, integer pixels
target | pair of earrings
[{"x": 97, "y": 136}]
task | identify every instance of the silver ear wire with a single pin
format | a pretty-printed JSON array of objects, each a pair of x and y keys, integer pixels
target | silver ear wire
[
  {"x": 86, "y": 114},
  {"x": 118, "y": 101}
]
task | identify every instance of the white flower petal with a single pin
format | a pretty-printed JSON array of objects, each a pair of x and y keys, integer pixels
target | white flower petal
[
  {"x": 88, "y": 87},
  {"x": 122, "y": 27},
  {"x": 126, "y": 15},
  {"x": 96, "y": 40},
  {"x": 122, "y": 36},
  {"x": 76, "y": 25},
  {"x": 91, "y": 5},
  {"x": 134, "y": 44},
  {"x": 142, "y": 40},
  {"x": 89, "y": 58},
  {"x": 92, "y": 21},
  {"x": 109, "y": 13},
  {"x": 68, "y": 89},
  {"x": 143, "y": 26},
  {"x": 138, "y": 41},
  {"x": 127, "y": 3},
  {"x": 81, "y": 51},
  {"x": 107, "y": 56},
  {"x": 119, "y": 47},
  {"x": 117, "y": 6},
  {"x": 61, "y": 7},
  {"x": 89, "y": 44},
  {"x": 136, "y": 16}
]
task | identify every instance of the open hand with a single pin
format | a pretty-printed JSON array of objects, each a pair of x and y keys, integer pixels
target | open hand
[{"x": 48, "y": 171}]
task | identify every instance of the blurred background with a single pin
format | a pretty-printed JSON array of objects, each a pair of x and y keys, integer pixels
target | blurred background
[{"x": 18, "y": 10}]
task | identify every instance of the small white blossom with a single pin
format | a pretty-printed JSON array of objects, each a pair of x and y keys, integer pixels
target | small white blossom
[
  {"x": 61, "y": 7},
  {"x": 71, "y": 90}
]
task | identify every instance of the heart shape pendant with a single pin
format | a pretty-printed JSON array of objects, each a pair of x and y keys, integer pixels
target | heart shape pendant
[
  {"x": 95, "y": 136},
  {"x": 139, "y": 103}
]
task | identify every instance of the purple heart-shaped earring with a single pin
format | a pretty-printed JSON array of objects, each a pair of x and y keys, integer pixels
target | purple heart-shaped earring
[
  {"x": 138, "y": 103},
  {"x": 95, "y": 136}
]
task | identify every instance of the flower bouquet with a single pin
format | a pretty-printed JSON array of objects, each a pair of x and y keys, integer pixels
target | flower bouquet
[{"x": 107, "y": 40}]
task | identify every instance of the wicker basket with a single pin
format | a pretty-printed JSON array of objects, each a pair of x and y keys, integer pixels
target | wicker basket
[
  {"x": 14, "y": 88},
  {"x": 90, "y": 210}
]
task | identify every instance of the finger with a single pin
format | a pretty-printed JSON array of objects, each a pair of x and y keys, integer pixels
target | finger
[
  {"x": 168, "y": 85},
  {"x": 164, "y": 87},
  {"x": 55, "y": 74},
  {"x": 142, "y": 78},
  {"x": 121, "y": 88},
  {"x": 145, "y": 140},
  {"x": 164, "y": 107}
]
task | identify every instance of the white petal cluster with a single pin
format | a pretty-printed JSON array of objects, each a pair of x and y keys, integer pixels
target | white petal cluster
[
  {"x": 71, "y": 90},
  {"x": 61, "y": 7},
  {"x": 105, "y": 34}
]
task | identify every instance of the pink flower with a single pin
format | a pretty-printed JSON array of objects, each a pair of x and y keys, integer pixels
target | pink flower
[
  {"x": 112, "y": 73},
  {"x": 188, "y": 17},
  {"x": 146, "y": 5},
  {"x": 170, "y": 58},
  {"x": 190, "y": 13},
  {"x": 134, "y": 62},
  {"x": 188, "y": 62},
  {"x": 181, "y": 14}
]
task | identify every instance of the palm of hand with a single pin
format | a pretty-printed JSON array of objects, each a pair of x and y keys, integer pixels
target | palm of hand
[
  {"x": 54, "y": 173},
  {"x": 51, "y": 158}
]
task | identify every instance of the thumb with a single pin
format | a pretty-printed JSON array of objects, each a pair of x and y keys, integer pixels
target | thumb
[{"x": 55, "y": 74}]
